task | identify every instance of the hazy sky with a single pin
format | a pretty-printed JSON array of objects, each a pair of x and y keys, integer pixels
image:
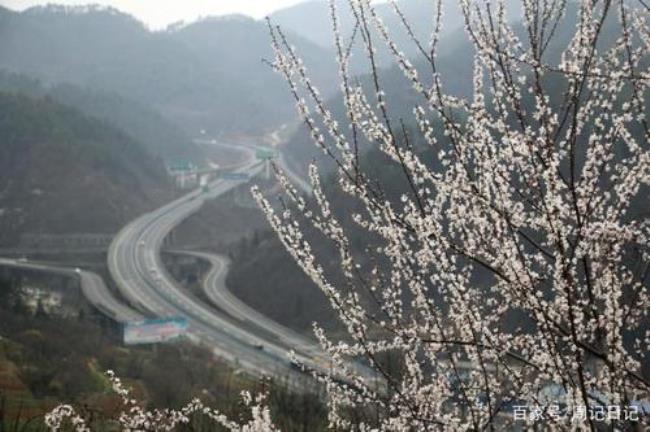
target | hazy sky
[{"x": 159, "y": 13}]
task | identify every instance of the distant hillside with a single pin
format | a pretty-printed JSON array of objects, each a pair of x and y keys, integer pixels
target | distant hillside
[
  {"x": 206, "y": 75},
  {"x": 161, "y": 137},
  {"x": 311, "y": 20},
  {"x": 61, "y": 171},
  {"x": 235, "y": 87}
]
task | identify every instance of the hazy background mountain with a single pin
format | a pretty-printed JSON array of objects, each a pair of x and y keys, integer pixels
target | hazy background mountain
[
  {"x": 61, "y": 171},
  {"x": 236, "y": 91},
  {"x": 162, "y": 138},
  {"x": 205, "y": 75},
  {"x": 311, "y": 20}
]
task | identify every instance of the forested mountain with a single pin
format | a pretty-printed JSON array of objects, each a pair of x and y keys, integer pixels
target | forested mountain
[
  {"x": 160, "y": 136},
  {"x": 206, "y": 75},
  {"x": 61, "y": 171}
]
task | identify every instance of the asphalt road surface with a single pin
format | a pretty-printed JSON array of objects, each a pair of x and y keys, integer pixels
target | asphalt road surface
[
  {"x": 135, "y": 265},
  {"x": 92, "y": 286},
  {"x": 215, "y": 289},
  {"x": 233, "y": 331}
]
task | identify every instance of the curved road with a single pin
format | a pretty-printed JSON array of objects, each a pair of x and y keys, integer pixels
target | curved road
[
  {"x": 214, "y": 287},
  {"x": 136, "y": 266},
  {"x": 251, "y": 149},
  {"x": 92, "y": 287}
]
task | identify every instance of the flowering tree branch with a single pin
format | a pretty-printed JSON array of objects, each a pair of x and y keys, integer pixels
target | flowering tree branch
[
  {"x": 507, "y": 268},
  {"x": 135, "y": 418}
]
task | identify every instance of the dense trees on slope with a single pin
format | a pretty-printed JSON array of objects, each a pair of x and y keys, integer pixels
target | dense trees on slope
[
  {"x": 159, "y": 135},
  {"x": 62, "y": 171}
]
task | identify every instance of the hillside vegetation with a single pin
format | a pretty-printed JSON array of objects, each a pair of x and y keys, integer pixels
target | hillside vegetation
[
  {"x": 61, "y": 171},
  {"x": 160, "y": 136},
  {"x": 47, "y": 359}
]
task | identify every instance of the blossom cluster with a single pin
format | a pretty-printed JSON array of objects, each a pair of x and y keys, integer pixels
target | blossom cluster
[
  {"x": 516, "y": 259},
  {"x": 134, "y": 418}
]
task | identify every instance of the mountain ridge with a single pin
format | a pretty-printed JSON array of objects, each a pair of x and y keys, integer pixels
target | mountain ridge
[{"x": 198, "y": 82}]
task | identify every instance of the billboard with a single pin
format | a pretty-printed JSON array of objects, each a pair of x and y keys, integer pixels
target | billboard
[{"x": 154, "y": 331}]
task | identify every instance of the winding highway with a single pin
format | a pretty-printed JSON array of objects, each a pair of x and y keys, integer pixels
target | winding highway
[
  {"x": 136, "y": 266},
  {"x": 92, "y": 287},
  {"x": 231, "y": 330},
  {"x": 215, "y": 289}
]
